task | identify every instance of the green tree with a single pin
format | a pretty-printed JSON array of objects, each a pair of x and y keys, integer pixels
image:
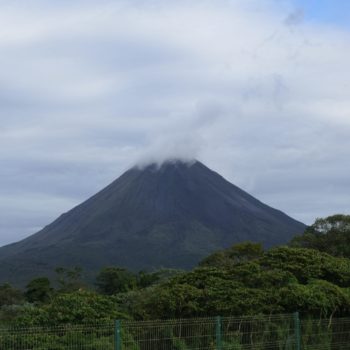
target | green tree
[
  {"x": 10, "y": 295},
  {"x": 308, "y": 264},
  {"x": 69, "y": 279},
  {"x": 330, "y": 235},
  {"x": 146, "y": 279},
  {"x": 39, "y": 290},
  {"x": 113, "y": 280},
  {"x": 238, "y": 253},
  {"x": 74, "y": 307}
]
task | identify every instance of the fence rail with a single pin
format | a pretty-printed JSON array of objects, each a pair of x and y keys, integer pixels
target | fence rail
[{"x": 274, "y": 332}]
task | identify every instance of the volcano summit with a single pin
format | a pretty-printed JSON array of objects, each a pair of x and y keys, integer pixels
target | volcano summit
[{"x": 171, "y": 215}]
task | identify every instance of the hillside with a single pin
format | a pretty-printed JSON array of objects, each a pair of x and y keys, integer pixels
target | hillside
[{"x": 167, "y": 216}]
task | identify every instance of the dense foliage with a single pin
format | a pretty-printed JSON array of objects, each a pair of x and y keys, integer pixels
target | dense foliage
[
  {"x": 243, "y": 279},
  {"x": 330, "y": 235},
  {"x": 280, "y": 280}
]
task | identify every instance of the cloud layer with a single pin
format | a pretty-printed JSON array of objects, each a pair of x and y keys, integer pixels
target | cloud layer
[{"x": 251, "y": 88}]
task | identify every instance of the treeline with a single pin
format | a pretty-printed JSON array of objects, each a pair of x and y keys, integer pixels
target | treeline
[{"x": 310, "y": 275}]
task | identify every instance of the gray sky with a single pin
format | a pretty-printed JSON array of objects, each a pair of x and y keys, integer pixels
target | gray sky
[{"x": 258, "y": 90}]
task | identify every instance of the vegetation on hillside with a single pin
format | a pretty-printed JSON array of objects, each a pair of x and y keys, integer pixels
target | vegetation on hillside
[{"x": 311, "y": 276}]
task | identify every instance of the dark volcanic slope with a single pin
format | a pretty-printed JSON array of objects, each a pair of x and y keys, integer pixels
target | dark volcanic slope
[{"x": 168, "y": 216}]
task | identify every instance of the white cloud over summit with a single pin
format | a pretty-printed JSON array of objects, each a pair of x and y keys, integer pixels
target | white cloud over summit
[{"x": 251, "y": 88}]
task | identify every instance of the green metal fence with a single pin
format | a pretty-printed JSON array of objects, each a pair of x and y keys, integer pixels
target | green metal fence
[
  {"x": 227, "y": 333},
  {"x": 274, "y": 332}
]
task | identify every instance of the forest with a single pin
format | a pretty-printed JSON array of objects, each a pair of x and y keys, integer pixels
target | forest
[{"x": 310, "y": 275}]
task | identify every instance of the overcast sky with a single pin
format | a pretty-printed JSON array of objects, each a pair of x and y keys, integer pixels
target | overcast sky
[{"x": 258, "y": 90}]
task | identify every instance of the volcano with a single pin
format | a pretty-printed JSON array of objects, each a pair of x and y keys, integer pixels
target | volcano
[{"x": 170, "y": 215}]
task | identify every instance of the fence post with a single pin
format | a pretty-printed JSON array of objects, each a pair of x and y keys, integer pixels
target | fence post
[
  {"x": 297, "y": 331},
  {"x": 117, "y": 336},
  {"x": 218, "y": 333}
]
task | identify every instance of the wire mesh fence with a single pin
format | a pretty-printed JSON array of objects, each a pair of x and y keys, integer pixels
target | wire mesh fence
[
  {"x": 67, "y": 337},
  {"x": 196, "y": 334},
  {"x": 331, "y": 334},
  {"x": 228, "y": 333},
  {"x": 274, "y": 332}
]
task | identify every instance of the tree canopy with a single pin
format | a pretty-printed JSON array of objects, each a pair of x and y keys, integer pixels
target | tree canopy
[
  {"x": 330, "y": 235},
  {"x": 282, "y": 279}
]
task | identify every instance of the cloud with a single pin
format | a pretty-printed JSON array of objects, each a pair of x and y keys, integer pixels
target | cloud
[
  {"x": 251, "y": 88},
  {"x": 294, "y": 18}
]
